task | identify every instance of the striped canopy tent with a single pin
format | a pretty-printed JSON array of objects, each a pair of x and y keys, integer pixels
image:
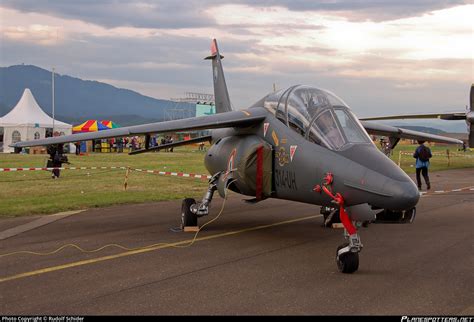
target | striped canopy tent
[
  {"x": 110, "y": 124},
  {"x": 89, "y": 126}
]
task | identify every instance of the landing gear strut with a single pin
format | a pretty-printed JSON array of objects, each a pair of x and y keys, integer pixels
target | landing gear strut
[
  {"x": 347, "y": 254},
  {"x": 192, "y": 210}
]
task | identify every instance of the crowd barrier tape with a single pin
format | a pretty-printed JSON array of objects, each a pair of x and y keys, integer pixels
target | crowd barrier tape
[
  {"x": 60, "y": 168},
  {"x": 163, "y": 173},
  {"x": 448, "y": 155},
  {"x": 442, "y": 154},
  {"x": 437, "y": 192},
  {"x": 176, "y": 174}
]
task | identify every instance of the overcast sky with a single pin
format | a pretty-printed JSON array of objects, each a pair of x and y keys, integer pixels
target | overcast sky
[{"x": 381, "y": 57}]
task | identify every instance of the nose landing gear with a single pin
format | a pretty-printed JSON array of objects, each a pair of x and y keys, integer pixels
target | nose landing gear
[{"x": 347, "y": 254}]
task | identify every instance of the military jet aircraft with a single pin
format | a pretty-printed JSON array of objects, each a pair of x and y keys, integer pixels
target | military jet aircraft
[
  {"x": 302, "y": 144},
  {"x": 467, "y": 115}
]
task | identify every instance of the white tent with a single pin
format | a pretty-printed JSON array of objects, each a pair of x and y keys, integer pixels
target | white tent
[{"x": 27, "y": 121}]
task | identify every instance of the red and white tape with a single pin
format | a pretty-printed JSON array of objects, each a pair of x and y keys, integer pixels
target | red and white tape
[
  {"x": 163, "y": 173},
  {"x": 442, "y": 154},
  {"x": 62, "y": 168},
  {"x": 437, "y": 192},
  {"x": 176, "y": 174}
]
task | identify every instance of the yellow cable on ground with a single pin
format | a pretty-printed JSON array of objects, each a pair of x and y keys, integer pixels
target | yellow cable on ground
[{"x": 120, "y": 246}]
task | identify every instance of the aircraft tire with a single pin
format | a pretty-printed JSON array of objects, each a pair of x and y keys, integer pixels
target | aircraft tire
[
  {"x": 409, "y": 215},
  {"x": 188, "y": 218},
  {"x": 348, "y": 262}
]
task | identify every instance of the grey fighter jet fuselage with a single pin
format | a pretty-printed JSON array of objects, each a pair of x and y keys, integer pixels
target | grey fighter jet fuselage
[{"x": 302, "y": 144}]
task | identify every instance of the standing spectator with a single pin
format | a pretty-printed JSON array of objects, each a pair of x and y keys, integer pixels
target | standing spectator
[
  {"x": 120, "y": 145},
  {"x": 422, "y": 155},
  {"x": 78, "y": 148},
  {"x": 57, "y": 158}
]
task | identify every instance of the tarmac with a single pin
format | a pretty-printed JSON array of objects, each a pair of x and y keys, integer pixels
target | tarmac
[{"x": 270, "y": 258}]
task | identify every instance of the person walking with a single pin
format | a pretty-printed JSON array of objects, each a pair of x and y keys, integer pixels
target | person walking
[
  {"x": 57, "y": 158},
  {"x": 422, "y": 155}
]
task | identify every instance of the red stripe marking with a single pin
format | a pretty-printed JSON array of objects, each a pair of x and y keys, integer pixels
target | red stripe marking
[
  {"x": 259, "y": 179},
  {"x": 180, "y": 174},
  {"x": 167, "y": 173},
  {"x": 213, "y": 47}
]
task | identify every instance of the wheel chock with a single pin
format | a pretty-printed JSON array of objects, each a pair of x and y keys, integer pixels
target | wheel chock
[{"x": 191, "y": 229}]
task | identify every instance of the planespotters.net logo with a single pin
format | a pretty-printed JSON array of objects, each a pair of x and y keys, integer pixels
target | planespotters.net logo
[{"x": 437, "y": 319}]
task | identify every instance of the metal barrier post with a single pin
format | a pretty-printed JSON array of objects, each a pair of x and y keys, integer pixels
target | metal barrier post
[{"x": 125, "y": 183}]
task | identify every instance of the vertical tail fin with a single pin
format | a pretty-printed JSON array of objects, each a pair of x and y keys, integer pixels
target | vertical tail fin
[{"x": 221, "y": 95}]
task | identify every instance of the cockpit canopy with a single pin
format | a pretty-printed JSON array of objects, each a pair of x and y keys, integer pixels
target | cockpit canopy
[{"x": 317, "y": 115}]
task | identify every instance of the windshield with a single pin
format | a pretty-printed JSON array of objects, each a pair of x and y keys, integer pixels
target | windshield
[
  {"x": 318, "y": 115},
  {"x": 326, "y": 129}
]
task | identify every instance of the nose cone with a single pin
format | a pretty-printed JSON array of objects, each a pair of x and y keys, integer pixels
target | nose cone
[
  {"x": 405, "y": 195},
  {"x": 390, "y": 187}
]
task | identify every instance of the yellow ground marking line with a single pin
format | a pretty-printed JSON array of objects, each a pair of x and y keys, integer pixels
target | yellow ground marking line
[{"x": 144, "y": 250}]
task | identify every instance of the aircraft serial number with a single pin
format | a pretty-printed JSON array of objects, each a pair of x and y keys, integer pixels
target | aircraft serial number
[{"x": 285, "y": 179}]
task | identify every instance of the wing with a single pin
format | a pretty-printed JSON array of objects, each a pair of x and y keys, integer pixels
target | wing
[
  {"x": 442, "y": 116},
  {"x": 392, "y": 131},
  {"x": 241, "y": 118}
]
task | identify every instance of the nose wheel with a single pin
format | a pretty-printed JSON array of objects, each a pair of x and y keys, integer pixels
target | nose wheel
[{"x": 347, "y": 261}]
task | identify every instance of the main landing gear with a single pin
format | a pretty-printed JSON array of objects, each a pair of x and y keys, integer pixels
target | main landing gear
[
  {"x": 347, "y": 254},
  {"x": 192, "y": 210},
  {"x": 396, "y": 217}
]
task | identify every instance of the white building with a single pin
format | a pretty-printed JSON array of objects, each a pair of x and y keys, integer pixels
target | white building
[{"x": 27, "y": 121}]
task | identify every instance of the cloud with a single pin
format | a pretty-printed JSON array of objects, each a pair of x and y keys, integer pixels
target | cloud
[
  {"x": 191, "y": 13},
  {"x": 157, "y": 47},
  {"x": 117, "y": 13},
  {"x": 40, "y": 34}
]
